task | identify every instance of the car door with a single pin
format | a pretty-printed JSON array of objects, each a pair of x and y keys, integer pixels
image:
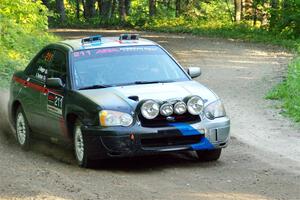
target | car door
[
  {"x": 52, "y": 100},
  {"x": 35, "y": 85}
]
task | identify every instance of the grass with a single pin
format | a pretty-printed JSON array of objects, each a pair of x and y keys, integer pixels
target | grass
[{"x": 289, "y": 91}]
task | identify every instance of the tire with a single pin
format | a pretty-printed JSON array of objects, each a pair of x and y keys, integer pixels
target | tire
[
  {"x": 23, "y": 132},
  {"x": 80, "y": 146},
  {"x": 209, "y": 155}
]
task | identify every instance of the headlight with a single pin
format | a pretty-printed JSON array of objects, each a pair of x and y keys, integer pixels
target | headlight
[
  {"x": 150, "y": 109},
  {"x": 180, "y": 108},
  {"x": 195, "y": 105},
  {"x": 115, "y": 118},
  {"x": 215, "y": 110},
  {"x": 166, "y": 109}
]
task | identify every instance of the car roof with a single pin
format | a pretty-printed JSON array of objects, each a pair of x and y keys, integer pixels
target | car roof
[{"x": 77, "y": 44}]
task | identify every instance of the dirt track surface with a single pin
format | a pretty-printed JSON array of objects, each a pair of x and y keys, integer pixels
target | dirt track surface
[{"x": 262, "y": 162}]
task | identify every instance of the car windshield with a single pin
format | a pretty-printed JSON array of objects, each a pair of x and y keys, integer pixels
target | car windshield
[{"x": 99, "y": 68}]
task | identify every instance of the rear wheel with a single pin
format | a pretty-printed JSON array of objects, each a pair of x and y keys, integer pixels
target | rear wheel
[
  {"x": 22, "y": 129},
  {"x": 209, "y": 155},
  {"x": 80, "y": 146}
]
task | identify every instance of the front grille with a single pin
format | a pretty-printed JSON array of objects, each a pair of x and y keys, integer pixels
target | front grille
[
  {"x": 171, "y": 141},
  {"x": 160, "y": 120}
]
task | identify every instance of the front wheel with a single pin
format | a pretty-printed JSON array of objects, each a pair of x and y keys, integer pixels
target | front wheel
[
  {"x": 22, "y": 129},
  {"x": 209, "y": 155},
  {"x": 80, "y": 146}
]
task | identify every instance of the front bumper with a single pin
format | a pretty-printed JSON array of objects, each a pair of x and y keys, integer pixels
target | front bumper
[{"x": 138, "y": 140}]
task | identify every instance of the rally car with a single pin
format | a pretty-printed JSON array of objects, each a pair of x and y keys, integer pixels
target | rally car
[{"x": 116, "y": 97}]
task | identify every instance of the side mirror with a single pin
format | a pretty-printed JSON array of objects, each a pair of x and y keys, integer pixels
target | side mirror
[
  {"x": 54, "y": 83},
  {"x": 194, "y": 71}
]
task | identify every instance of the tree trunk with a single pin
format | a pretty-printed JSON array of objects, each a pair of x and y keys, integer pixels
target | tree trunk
[
  {"x": 178, "y": 8},
  {"x": 113, "y": 8},
  {"x": 169, "y": 3},
  {"x": 274, "y": 11},
  {"x": 60, "y": 8},
  {"x": 100, "y": 2},
  {"x": 127, "y": 6},
  {"x": 90, "y": 10},
  {"x": 229, "y": 11},
  {"x": 247, "y": 6},
  {"x": 254, "y": 13},
  {"x": 122, "y": 11},
  {"x": 106, "y": 9},
  {"x": 84, "y": 11},
  {"x": 238, "y": 10},
  {"x": 77, "y": 9},
  {"x": 264, "y": 14},
  {"x": 152, "y": 7}
]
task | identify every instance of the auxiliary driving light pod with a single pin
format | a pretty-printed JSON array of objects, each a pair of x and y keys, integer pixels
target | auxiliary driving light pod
[
  {"x": 166, "y": 109},
  {"x": 150, "y": 109},
  {"x": 195, "y": 105},
  {"x": 180, "y": 108}
]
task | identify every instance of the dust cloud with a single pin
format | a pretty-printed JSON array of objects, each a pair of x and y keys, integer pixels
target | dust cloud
[{"x": 6, "y": 130}]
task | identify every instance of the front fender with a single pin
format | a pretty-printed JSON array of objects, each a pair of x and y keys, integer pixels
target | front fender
[{"x": 86, "y": 110}]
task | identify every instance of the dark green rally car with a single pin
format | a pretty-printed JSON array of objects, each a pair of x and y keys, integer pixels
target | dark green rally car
[{"x": 116, "y": 97}]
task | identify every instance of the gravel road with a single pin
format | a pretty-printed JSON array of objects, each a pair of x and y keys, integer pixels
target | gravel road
[{"x": 262, "y": 162}]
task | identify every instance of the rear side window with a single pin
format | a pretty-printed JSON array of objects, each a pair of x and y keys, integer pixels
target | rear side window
[{"x": 39, "y": 68}]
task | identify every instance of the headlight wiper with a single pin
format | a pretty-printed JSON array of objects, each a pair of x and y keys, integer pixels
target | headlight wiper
[{"x": 94, "y": 87}]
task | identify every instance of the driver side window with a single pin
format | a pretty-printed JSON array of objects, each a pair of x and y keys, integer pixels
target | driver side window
[{"x": 58, "y": 66}]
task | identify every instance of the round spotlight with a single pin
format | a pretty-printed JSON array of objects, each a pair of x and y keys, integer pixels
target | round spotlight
[
  {"x": 180, "y": 108},
  {"x": 195, "y": 105},
  {"x": 150, "y": 109},
  {"x": 166, "y": 109}
]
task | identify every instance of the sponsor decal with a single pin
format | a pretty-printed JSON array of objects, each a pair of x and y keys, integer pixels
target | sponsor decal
[
  {"x": 54, "y": 105},
  {"x": 41, "y": 73},
  {"x": 34, "y": 86},
  {"x": 48, "y": 56},
  {"x": 136, "y": 49},
  {"x": 186, "y": 129},
  {"x": 116, "y": 51},
  {"x": 88, "y": 53}
]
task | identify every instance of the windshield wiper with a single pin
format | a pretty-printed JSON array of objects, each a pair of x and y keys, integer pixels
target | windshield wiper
[
  {"x": 94, "y": 87},
  {"x": 145, "y": 82},
  {"x": 150, "y": 82}
]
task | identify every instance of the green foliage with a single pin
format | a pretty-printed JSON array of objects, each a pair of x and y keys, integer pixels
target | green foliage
[
  {"x": 216, "y": 28},
  {"x": 289, "y": 91},
  {"x": 23, "y": 31},
  {"x": 217, "y": 11},
  {"x": 278, "y": 92},
  {"x": 139, "y": 14},
  {"x": 287, "y": 18}
]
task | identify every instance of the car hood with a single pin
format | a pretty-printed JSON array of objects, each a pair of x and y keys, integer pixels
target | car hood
[{"x": 120, "y": 98}]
